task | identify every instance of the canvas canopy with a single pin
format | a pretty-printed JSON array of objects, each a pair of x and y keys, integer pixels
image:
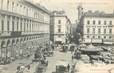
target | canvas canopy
[
  {"x": 62, "y": 63},
  {"x": 91, "y": 48}
]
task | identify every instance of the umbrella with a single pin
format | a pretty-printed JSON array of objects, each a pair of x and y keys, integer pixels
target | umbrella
[
  {"x": 83, "y": 46},
  {"x": 91, "y": 48},
  {"x": 62, "y": 63}
]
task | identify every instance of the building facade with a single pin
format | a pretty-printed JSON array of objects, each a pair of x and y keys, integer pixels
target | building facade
[
  {"x": 98, "y": 27},
  {"x": 61, "y": 27},
  {"x": 23, "y": 27},
  {"x": 95, "y": 27}
]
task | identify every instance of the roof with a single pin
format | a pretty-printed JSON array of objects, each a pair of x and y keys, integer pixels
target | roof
[
  {"x": 91, "y": 48},
  {"x": 98, "y": 14},
  {"x": 62, "y": 63},
  {"x": 37, "y": 6}
]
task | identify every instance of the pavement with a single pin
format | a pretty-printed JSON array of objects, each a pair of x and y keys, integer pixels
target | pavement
[
  {"x": 93, "y": 68},
  {"x": 57, "y": 57},
  {"x": 80, "y": 67},
  {"x": 12, "y": 67}
]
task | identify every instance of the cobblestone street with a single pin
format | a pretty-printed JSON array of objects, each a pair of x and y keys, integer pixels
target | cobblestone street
[
  {"x": 57, "y": 57},
  {"x": 11, "y": 68}
]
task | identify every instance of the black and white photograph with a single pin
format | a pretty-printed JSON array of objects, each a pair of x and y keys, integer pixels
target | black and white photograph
[{"x": 56, "y": 36}]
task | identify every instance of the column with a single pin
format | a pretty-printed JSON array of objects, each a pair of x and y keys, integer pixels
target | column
[
  {"x": 0, "y": 23},
  {"x": 15, "y": 24},
  {"x": 25, "y": 25},
  {"x": 10, "y": 23},
  {"x": 22, "y": 25},
  {"x": 4, "y": 4},
  {"x": 5, "y": 23},
  {"x": 29, "y": 26},
  {"x": 32, "y": 26},
  {"x": 19, "y": 24}
]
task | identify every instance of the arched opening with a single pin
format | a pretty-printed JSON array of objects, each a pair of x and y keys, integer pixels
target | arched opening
[
  {"x": 17, "y": 40},
  {"x": 24, "y": 39},
  {"x": 27, "y": 38},
  {"x": 13, "y": 41},
  {"x": 3, "y": 44},
  {"x": 8, "y": 42}
]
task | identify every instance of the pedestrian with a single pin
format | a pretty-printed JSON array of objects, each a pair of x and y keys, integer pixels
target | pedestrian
[
  {"x": 18, "y": 67},
  {"x": 68, "y": 67},
  {"x": 28, "y": 67},
  {"x": 72, "y": 57},
  {"x": 72, "y": 70},
  {"x": 22, "y": 68}
]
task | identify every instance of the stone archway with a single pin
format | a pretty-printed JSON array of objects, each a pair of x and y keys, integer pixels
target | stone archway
[
  {"x": 17, "y": 41},
  {"x": 3, "y": 49},
  {"x": 8, "y": 42},
  {"x": 24, "y": 38},
  {"x": 2, "y": 44},
  {"x": 21, "y": 40},
  {"x": 13, "y": 42},
  {"x": 8, "y": 49}
]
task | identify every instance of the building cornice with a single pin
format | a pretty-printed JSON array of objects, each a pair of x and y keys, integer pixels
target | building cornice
[
  {"x": 98, "y": 15},
  {"x": 37, "y": 6},
  {"x": 20, "y": 16}
]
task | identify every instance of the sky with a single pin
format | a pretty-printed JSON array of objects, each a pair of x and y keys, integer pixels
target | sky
[{"x": 70, "y": 6}]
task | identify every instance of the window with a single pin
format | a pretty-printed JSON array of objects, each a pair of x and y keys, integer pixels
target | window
[
  {"x": 110, "y": 31},
  {"x": 99, "y": 37},
  {"x": 20, "y": 5},
  {"x": 93, "y": 36},
  {"x": 7, "y": 4},
  {"x": 93, "y": 21},
  {"x": 12, "y": 5},
  {"x": 12, "y": 25},
  {"x": 104, "y": 22},
  {"x": 110, "y": 37},
  {"x": 59, "y": 30},
  {"x": 24, "y": 26},
  {"x": 88, "y": 22},
  {"x": 93, "y": 30},
  {"x": 87, "y": 30},
  {"x": 59, "y": 21},
  {"x": 104, "y": 31},
  {"x": 99, "y": 31},
  {"x": 104, "y": 37},
  {"x": 8, "y": 26},
  {"x": 88, "y": 36},
  {"x": 17, "y": 4},
  {"x": 1, "y": 4},
  {"x": 110, "y": 22},
  {"x": 2, "y": 22},
  {"x": 99, "y": 22},
  {"x": 28, "y": 26},
  {"x": 21, "y": 26},
  {"x": 17, "y": 25}
]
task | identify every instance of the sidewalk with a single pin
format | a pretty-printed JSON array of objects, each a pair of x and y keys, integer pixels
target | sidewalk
[
  {"x": 11, "y": 68},
  {"x": 94, "y": 68}
]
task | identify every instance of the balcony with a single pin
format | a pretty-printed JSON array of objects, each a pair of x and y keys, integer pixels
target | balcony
[
  {"x": 16, "y": 33},
  {"x": 5, "y": 33}
]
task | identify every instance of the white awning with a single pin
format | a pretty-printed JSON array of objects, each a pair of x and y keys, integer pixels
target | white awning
[
  {"x": 59, "y": 39},
  {"x": 62, "y": 63},
  {"x": 108, "y": 42}
]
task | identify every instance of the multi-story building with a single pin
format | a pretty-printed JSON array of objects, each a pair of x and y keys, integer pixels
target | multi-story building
[
  {"x": 98, "y": 27},
  {"x": 23, "y": 26},
  {"x": 60, "y": 27},
  {"x": 95, "y": 27}
]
